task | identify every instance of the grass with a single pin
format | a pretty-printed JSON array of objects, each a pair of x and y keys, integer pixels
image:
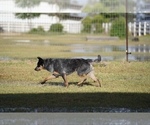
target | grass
[
  {"x": 115, "y": 77},
  {"x": 56, "y": 45},
  {"x": 124, "y": 85}
]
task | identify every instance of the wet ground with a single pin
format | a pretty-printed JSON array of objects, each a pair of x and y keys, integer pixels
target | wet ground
[
  {"x": 141, "y": 49},
  {"x": 139, "y": 52},
  {"x": 81, "y": 48}
]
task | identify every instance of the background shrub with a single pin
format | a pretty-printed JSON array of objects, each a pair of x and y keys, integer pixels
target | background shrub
[
  {"x": 97, "y": 23},
  {"x": 87, "y": 25},
  {"x": 56, "y": 27},
  {"x": 98, "y": 28},
  {"x": 40, "y": 29},
  {"x": 118, "y": 28},
  {"x": 93, "y": 24}
]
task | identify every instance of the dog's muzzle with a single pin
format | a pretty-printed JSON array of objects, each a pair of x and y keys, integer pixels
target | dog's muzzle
[{"x": 37, "y": 69}]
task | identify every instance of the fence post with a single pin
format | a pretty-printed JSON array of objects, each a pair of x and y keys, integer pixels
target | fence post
[
  {"x": 103, "y": 25},
  {"x": 8, "y": 27},
  {"x": 134, "y": 29},
  {"x": 127, "y": 31},
  {"x": 144, "y": 28},
  {"x": 106, "y": 27},
  {"x": 139, "y": 28},
  {"x": 22, "y": 27},
  {"x": 109, "y": 26},
  {"x": 130, "y": 25}
]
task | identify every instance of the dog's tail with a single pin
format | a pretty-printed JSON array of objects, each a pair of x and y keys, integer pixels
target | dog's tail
[
  {"x": 98, "y": 59},
  {"x": 95, "y": 60}
]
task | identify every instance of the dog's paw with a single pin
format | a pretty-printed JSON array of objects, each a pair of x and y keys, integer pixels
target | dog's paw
[
  {"x": 98, "y": 85},
  {"x": 43, "y": 82},
  {"x": 79, "y": 85}
]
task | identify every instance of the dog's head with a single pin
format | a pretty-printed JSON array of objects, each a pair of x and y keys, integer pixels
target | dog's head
[{"x": 40, "y": 64}]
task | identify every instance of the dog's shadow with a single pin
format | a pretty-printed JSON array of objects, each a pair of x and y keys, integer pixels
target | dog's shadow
[{"x": 70, "y": 83}]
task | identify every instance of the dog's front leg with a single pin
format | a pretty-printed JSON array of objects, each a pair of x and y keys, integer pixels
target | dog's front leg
[
  {"x": 48, "y": 78},
  {"x": 64, "y": 76}
]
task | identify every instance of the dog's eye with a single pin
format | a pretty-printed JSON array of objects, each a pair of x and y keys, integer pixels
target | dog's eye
[{"x": 39, "y": 65}]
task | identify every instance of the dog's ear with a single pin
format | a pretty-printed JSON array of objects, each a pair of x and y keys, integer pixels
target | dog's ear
[{"x": 39, "y": 58}]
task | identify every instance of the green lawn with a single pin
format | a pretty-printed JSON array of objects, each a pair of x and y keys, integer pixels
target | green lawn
[{"x": 124, "y": 85}]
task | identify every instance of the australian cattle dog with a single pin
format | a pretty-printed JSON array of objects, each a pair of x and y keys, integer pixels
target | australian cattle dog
[{"x": 63, "y": 67}]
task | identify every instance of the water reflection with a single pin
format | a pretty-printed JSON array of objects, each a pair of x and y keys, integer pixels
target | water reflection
[
  {"x": 141, "y": 50},
  {"x": 82, "y": 48}
]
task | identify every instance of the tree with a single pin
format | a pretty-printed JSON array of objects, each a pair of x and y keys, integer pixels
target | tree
[
  {"x": 31, "y": 3},
  {"x": 28, "y": 15},
  {"x": 60, "y": 3},
  {"x": 105, "y": 6},
  {"x": 93, "y": 24},
  {"x": 87, "y": 25},
  {"x": 94, "y": 8},
  {"x": 27, "y": 3},
  {"x": 97, "y": 23}
]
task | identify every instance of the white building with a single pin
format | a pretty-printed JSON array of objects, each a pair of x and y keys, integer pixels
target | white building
[{"x": 48, "y": 15}]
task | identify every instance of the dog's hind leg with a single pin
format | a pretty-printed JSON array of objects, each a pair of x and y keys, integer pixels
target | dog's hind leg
[
  {"x": 83, "y": 80},
  {"x": 92, "y": 76},
  {"x": 64, "y": 76},
  {"x": 49, "y": 78}
]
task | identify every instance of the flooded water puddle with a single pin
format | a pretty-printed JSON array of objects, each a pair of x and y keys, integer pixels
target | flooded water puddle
[
  {"x": 142, "y": 50},
  {"x": 38, "y": 42},
  {"x": 82, "y": 48},
  {"x": 87, "y": 48},
  {"x": 23, "y": 41},
  {"x": 5, "y": 58}
]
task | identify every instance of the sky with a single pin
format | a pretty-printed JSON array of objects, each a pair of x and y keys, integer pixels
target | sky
[{"x": 81, "y": 1}]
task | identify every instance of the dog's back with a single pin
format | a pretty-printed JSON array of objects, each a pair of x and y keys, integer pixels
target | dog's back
[{"x": 67, "y": 66}]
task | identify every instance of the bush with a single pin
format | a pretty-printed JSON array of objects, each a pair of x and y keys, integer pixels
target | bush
[
  {"x": 33, "y": 30},
  {"x": 1, "y": 30},
  {"x": 98, "y": 28},
  {"x": 118, "y": 28},
  {"x": 86, "y": 28},
  {"x": 98, "y": 19},
  {"x": 93, "y": 24},
  {"x": 97, "y": 22},
  {"x": 87, "y": 25},
  {"x": 56, "y": 27},
  {"x": 40, "y": 29}
]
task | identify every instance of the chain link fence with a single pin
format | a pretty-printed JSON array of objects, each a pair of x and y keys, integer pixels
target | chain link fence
[
  {"x": 88, "y": 16},
  {"x": 100, "y": 20}
]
